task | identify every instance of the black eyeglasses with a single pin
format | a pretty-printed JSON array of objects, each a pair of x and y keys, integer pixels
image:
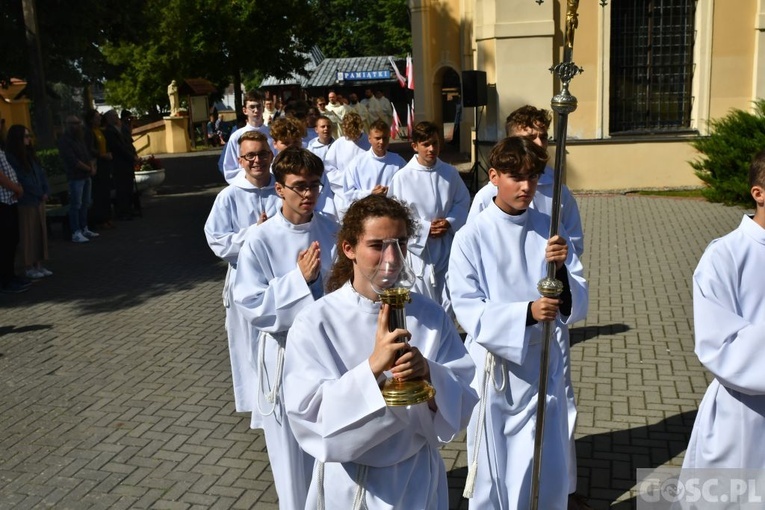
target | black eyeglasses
[
  {"x": 250, "y": 156},
  {"x": 303, "y": 189}
]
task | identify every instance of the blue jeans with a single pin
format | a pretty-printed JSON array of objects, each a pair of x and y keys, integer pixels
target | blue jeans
[{"x": 79, "y": 201}]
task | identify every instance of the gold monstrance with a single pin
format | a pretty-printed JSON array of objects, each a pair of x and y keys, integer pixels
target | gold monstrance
[{"x": 392, "y": 281}]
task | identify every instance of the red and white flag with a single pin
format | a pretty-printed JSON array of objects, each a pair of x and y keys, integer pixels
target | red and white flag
[
  {"x": 396, "y": 124},
  {"x": 409, "y": 119},
  {"x": 401, "y": 79},
  {"x": 409, "y": 72}
]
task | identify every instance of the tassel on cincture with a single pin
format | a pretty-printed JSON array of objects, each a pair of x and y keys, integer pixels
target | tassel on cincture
[{"x": 470, "y": 481}]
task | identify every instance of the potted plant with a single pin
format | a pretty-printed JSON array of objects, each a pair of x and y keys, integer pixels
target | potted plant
[{"x": 149, "y": 173}]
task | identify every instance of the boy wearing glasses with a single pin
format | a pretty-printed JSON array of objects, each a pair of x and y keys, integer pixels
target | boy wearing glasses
[
  {"x": 228, "y": 163},
  {"x": 249, "y": 200},
  {"x": 281, "y": 270}
]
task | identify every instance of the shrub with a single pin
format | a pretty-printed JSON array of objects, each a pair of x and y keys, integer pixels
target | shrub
[
  {"x": 727, "y": 152},
  {"x": 51, "y": 162}
]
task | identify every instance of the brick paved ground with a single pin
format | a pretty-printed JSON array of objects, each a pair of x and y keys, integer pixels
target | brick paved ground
[{"x": 115, "y": 385}]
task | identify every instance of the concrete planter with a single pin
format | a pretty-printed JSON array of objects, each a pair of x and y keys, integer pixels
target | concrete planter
[{"x": 149, "y": 179}]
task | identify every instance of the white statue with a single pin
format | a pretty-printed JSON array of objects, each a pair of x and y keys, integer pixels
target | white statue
[{"x": 172, "y": 94}]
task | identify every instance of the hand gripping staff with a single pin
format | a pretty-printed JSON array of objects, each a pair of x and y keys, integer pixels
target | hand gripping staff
[{"x": 562, "y": 104}]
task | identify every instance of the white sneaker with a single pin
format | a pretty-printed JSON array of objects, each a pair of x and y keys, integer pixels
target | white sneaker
[
  {"x": 89, "y": 233},
  {"x": 34, "y": 274},
  {"x": 44, "y": 271},
  {"x": 78, "y": 237}
]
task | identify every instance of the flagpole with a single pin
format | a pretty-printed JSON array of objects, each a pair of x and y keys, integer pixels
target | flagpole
[{"x": 562, "y": 104}]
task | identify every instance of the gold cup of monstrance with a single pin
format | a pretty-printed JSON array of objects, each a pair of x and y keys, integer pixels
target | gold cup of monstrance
[{"x": 391, "y": 281}]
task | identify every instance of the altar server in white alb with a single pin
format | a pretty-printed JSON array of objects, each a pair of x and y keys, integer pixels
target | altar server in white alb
[
  {"x": 248, "y": 201},
  {"x": 729, "y": 325},
  {"x": 320, "y": 144},
  {"x": 371, "y": 172},
  {"x": 440, "y": 201},
  {"x": 534, "y": 123},
  {"x": 343, "y": 150},
  {"x": 338, "y": 352},
  {"x": 228, "y": 163},
  {"x": 282, "y": 268},
  {"x": 496, "y": 262}
]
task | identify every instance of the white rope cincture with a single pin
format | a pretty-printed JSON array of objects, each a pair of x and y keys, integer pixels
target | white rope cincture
[
  {"x": 359, "y": 501},
  {"x": 273, "y": 395},
  {"x": 226, "y": 288},
  {"x": 488, "y": 370},
  {"x": 319, "y": 485}
]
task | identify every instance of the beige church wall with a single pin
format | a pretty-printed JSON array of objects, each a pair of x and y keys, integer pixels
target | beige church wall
[
  {"x": 733, "y": 51},
  {"x": 514, "y": 46},
  {"x": 758, "y": 80},
  {"x": 436, "y": 46},
  {"x": 583, "y": 124},
  {"x": 603, "y": 166}
]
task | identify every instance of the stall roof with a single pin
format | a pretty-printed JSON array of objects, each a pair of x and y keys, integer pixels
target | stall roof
[
  {"x": 326, "y": 73},
  {"x": 313, "y": 58},
  {"x": 197, "y": 87}
]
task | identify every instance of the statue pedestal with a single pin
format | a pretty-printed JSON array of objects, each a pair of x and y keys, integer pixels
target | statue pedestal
[{"x": 176, "y": 135}]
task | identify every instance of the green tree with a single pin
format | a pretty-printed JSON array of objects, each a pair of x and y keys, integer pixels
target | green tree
[
  {"x": 354, "y": 28},
  {"x": 727, "y": 153},
  {"x": 186, "y": 38}
]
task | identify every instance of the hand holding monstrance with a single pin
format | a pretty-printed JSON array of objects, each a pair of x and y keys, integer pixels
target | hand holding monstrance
[{"x": 392, "y": 281}]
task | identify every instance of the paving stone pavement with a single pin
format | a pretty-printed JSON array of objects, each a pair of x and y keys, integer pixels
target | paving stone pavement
[{"x": 115, "y": 380}]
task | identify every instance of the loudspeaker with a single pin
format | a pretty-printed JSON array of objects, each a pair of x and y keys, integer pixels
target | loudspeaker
[{"x": 474, "y": 91}]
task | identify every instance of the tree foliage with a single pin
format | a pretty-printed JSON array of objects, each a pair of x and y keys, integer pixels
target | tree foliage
[
  {"x": 189, "y": 39},
  {"x": 138, "y": 47},
  {"x": 356, "y": 28},
  {"x": 727, "y": 153}
]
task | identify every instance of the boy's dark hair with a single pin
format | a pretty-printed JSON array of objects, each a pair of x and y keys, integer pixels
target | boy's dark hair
[
  {"x": 296, "y": 161},
  {"x": 288, "y": 130},
  {"x": 518, "y": 156},
  {"x": 352, "y": 228},
  {"x": 253, "y": 95},
  {"x": 323, "y": 117},
  {"x": 255, "y": 136},
  {"x": 424, "y": 131},
  {"x": 528, "y": 117},
  {"x": 757, "y": 170},
  {"x": 379, "y": 125}
]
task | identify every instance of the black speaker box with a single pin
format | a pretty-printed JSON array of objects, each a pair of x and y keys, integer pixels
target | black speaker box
[{"x": 474, "y": 90}]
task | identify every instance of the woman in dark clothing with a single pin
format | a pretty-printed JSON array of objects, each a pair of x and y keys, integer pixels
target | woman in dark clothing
[
  {"x": 32, "y": 225},
  {"x": 101, "y": 211},
  {"x": 123, "y": 162}
]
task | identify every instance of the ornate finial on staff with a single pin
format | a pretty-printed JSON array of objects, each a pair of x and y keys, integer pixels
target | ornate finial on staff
[{"x": 562, "y": 104}]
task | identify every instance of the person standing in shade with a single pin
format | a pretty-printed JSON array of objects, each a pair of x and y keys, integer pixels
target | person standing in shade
[
  {"x": 101, "y": 212},
  {"x": 80, "y": 167},
  {"x": 10, "y": 193},
  {"x": 33, "y": 229},
  {"x": 124, "y": 159}
]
